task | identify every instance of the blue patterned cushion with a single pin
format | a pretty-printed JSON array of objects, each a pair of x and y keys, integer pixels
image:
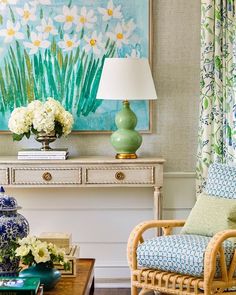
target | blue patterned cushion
[
  {"x": 221, "y": 181},
  {"x": 182, "y": 254}
]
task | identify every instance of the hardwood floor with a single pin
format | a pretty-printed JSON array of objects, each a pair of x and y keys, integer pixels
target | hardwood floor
[{"x": 117, "y": 291}]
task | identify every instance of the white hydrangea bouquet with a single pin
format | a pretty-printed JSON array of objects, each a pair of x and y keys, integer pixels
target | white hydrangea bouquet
[
  {"x": 39, "y": 117},
  {"x": 32, "y": 251}
]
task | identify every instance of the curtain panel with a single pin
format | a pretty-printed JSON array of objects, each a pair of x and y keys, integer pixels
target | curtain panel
[{"x": 217, "y": 120}]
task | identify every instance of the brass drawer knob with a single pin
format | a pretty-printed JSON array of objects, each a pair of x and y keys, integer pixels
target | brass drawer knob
[
  {"x": 47, "y": 176},
  {"x": 120, "y": 175}
]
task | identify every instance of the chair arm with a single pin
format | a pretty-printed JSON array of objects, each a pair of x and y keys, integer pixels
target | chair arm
[
  {"x": 136, "y": 236},
  {"x": 213, "y": 248}
]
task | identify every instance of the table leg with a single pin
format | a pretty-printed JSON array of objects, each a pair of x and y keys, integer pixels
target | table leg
[
  {"x": 92, "y": 288},
  {"x": 157, "y": 206}
]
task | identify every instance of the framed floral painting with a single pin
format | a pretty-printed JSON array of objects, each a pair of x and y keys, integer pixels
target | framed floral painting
[{"x": 56, "y": 48}]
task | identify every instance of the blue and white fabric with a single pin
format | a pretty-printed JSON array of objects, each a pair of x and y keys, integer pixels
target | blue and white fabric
[
  {"x": 221, "y": 181},
  {"x": 182, "y": 254}
]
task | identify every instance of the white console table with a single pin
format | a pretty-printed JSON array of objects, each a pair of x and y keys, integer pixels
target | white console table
[{"x": 85, "y": 172}]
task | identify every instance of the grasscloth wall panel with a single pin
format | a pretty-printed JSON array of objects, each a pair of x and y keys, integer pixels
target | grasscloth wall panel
[{"x": 176, "y": 59}]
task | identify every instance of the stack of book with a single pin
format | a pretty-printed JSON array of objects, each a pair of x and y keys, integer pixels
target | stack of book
[
  {"x": 24, "y": 286},
  {"x": 36, "y": 154}
]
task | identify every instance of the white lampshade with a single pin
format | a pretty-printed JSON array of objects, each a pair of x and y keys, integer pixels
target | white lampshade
[{"x": 126, "y": 78}]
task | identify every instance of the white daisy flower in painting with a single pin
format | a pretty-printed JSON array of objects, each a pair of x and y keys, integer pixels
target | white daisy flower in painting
[
  {"x": 27, "y": 13},
  {"x": 110, "y": 12},
  {"x": 86, "y": 19},
  {"x": 37, "y": 42},
  {"x": 68, "y": 43},
  {"x": 11, "y": 32},
  {"x": 68, "y": 17},
  {"x": 120, "y": 36},
  {"x": 94, "y": 43},
  {"x": 47, "y": 28},
  {"x": 4, "y": 3}
]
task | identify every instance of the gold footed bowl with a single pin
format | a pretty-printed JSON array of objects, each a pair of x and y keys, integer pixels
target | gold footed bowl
[{"x": 46, "y": 139}]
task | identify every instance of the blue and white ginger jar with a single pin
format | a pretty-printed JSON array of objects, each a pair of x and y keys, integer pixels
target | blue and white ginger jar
[{"x": 12, "y": 227}]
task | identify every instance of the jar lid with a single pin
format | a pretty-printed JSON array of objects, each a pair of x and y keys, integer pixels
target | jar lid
[{"x": 7, "y": 203}]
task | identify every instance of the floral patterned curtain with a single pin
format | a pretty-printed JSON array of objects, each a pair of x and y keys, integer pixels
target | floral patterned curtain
[{"x": 217, "y": 122}]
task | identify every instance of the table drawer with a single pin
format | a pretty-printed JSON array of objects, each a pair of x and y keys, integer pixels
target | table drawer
[
  {"x": 46, "y": 176},
  {"x": 4, "y": 176},
  {"x": 117, "y": 175}
]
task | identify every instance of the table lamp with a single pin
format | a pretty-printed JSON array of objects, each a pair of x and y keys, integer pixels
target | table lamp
[{"x": 126, "y": 79}]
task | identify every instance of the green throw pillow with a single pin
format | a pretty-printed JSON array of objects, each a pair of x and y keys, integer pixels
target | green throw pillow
[{"x": 210, "y": 215}]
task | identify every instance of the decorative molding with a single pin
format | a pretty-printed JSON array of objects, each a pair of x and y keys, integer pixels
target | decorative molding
[
  {"x": 119, "y": 169},
  {"x": 112, "y": 264},
  {"x": 190, "y": 174},
  {"x": 112, "y": 274},
  {"x": 112, "y": 283},
  {"x": 102, "y": 243},
  {"x": 87, "y": 209},
  {"x": 46, "y": 170},
  {"x": 176, "y": 209},
  {"x": 6, "y": 172}
]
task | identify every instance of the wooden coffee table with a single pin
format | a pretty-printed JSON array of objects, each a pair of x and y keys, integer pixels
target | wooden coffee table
[{"x": 82, "y": 284}]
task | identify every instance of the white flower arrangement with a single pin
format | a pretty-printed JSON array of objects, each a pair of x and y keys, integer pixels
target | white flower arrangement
[
  {"x": 40, "y": 117},
  {"x": 32, "y": 251}
]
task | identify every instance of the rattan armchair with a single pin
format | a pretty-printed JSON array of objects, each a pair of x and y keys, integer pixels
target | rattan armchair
[{"x": 169, "y": 282}]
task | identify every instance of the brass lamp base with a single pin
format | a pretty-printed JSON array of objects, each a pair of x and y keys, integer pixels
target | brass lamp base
[{"x": 126, "y": 156}]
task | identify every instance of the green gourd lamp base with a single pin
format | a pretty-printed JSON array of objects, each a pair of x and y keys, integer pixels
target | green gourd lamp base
[{"x": 126, "y": 140}]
